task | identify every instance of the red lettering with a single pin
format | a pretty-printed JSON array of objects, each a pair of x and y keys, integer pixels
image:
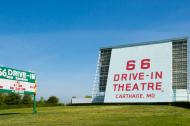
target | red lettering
[
  {"x": 138, "y": 86},
  {"x": 128, "y": 87},
  {"x": 145, "y": 64},
  {"x": 151, "y": 85},
  {"x": 135, "y": 87},
  {"x": 116, "y": 77},
  {"x": 124, "y": 77},
  {"x": 141, "y": 76},
  {"x": 114, "y": 85},
  {"x": 130, "y": 65},
  {"x": 135, "y": 76},
  {"x": 152, "y": 95},
  {"x": 158, "y": 85},
  {"x": 158, "y": 75},
  {"x": 142, "y": 84},
  {"x": 121, "y": 86}
]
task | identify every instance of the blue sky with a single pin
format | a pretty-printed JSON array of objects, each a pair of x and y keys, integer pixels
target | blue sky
[{"x": 59, "y": 40}]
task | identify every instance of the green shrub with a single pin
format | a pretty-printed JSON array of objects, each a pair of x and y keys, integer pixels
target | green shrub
[
  {"x": 12, "y": 99},
  {"x": 53, "y": 100}
]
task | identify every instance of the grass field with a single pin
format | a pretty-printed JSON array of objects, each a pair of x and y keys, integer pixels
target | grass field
[{"x": 123, "y": 115}]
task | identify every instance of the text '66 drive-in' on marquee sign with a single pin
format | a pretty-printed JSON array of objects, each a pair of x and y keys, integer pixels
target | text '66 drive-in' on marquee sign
[
  {"x": 17, "y": 81},
  {"x": 147, "y": 72}
]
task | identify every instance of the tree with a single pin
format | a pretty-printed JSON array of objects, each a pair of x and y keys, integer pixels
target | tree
[
  {"x": 2, "y": 98},
  {"x": 41, "y": 101},
  {"x": 27, "y": 99},
  {"x": 53, "y": 100},
  {"x": 88, "y": 96},
  {"x": 12, "y": 99}
]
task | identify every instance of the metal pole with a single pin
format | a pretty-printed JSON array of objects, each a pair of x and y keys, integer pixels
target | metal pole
[{"x": 34, "y": 105}]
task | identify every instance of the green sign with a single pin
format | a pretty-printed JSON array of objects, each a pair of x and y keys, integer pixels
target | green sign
[
  {"x": 18, "y": 81},
  {"x": 13, "y": 74}
]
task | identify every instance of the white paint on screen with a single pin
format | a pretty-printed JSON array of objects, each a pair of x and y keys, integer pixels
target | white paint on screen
[{"x": 160, "y": 56}]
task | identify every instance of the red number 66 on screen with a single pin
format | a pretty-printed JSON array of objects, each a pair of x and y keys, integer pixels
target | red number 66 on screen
[{"x": 144, "y": 64}]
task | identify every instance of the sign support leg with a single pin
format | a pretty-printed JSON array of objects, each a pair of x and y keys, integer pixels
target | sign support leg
[{"x": 34, "y": 105}]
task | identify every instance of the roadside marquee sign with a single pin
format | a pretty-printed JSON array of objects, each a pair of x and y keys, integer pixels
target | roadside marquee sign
[{"x": 18, "y": 81}]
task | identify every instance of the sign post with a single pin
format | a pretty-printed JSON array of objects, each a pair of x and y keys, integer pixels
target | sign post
[{"x": 34, "y": 106}]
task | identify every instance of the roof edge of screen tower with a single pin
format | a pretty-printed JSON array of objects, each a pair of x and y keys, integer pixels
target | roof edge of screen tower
[{"x": 146, "y": 43}]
